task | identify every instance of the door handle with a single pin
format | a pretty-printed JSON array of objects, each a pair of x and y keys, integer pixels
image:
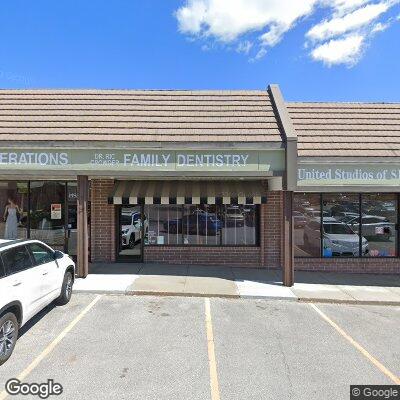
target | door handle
[
  {"x": 45, "y": 273},
  {"x": 17, "y": 284}
]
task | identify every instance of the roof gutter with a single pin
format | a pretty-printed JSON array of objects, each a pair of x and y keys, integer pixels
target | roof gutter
[{"x": 289, "y": 137}]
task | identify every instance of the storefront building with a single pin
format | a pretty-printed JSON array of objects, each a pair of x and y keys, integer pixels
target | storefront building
[
  {"x": 236, "y": 178},
  {"x": 346, "y": 209}
]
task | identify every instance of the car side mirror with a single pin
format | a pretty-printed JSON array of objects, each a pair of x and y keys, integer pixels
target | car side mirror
[{"x": 58, "y": 255}]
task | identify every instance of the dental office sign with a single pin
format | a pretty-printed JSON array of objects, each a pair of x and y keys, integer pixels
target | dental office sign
[
  {"x": 342, "y": 174},
  {"x": 131, "y": 160}
]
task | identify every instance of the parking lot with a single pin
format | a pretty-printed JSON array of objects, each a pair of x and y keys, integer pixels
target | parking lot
[{"x": 127, "y": 347}]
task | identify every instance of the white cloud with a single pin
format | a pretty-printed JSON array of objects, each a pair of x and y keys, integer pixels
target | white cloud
[
  {"x": 226, "y": 20},
  {"x": 339, "y": 51},
  {"x": 380, "y": 27},
  {"x": 244, "y": 47},
  {"x": 253, "y": 26},
  {"x": 355, "y": 20}
]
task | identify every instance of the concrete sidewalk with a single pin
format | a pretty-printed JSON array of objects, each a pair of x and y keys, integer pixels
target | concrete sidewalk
[{"x": 177, "y": 280}]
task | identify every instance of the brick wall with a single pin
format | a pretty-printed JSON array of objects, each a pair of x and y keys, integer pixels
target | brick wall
[
  {"x": 271, "y": 230},
  {"x": 356, "y": 265},
  {"x": 102, "y": 222},
  {"x": 103, "y": 237},
  {"x": 229, "y": 256}
]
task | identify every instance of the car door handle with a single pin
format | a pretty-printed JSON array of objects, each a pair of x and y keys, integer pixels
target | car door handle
[
  {"x": 17, "y": 284},
  {"x": 45, "y": 273}
]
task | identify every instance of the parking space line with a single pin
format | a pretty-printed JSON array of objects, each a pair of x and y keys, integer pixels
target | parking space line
[
  {"x": 53, "y": 344},
  {"x": 211, "y": 352},
  {"x": 361, "y": 349}
]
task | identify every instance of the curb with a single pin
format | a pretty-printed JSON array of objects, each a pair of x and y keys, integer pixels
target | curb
[
  {"x": 245, "y": 297},
  {"x": 349, "y": 302},
  {"x": 180, "y": 294}
]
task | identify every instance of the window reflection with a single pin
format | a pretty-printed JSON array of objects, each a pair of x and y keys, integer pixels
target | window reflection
[
  {"x": 307, "y": 224},
  {"x": 14, "y": 210},
  {"x": 340, "y": 226},
  {"x": 47, "y": 216},
  {"x": 202, "y": 225},
  {"x": 378, "y": 223}
]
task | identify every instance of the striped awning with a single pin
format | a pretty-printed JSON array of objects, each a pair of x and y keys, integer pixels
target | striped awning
[{"x": 188, "y": 192}]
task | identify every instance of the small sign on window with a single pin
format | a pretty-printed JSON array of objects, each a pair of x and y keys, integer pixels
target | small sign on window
[{"x": 56, "y": 211}]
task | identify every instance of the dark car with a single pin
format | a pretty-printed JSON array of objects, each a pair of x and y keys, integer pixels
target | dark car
[{"x": 203, "y": 223}]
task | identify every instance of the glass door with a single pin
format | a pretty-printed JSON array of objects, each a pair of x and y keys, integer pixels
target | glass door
[{"x": 130, "y": 228}]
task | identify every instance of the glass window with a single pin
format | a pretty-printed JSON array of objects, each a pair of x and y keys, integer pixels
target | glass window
[
  {"x": 341, "y": 225},
  {"x": 239, "y": 225},
  {"x": 164, "y": 224},
  {"x": 130, "y": 228},
  {"x": 378, "y": 224},
  {"x": 307, "y": 224},
  {"x": 14, "y": 210},
  {"x": 47, "y": 216},
  {"x": 201, "y": 225},
  {"x": 16, "y": 259},
  {"x": 41, "y": 255}
]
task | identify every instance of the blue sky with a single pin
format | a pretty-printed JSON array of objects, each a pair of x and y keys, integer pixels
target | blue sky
[{"x": 337, "y": 50}]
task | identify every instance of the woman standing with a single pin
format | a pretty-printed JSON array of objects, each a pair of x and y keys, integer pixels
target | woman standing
[{"x": 11, "y": 216}]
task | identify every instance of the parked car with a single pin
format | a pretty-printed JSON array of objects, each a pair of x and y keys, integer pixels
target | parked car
[
  {"x": 32, "y": 275},
  {"x": 373, "y": 226},
  {"x": 338, "y": 237},
  {"x": 299, "y": 219},
  {"x": 131, "y": 228},
  {"x": 204, "y": 223},
  {"x": 234, "y": 216}
]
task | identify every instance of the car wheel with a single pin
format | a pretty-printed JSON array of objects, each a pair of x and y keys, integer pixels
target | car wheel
[
  {"x": 8, "y": 336},
  {"x": 132, "y": 241},
  {"x": 66, "y": 289}
]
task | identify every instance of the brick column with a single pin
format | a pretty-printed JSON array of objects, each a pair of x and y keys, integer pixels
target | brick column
[
  {"x": 102, "y": 226},
  {"x": 287, "y": 253},
  {"x": 271, "y": 226},
  {"x": 83, "y": 243}
]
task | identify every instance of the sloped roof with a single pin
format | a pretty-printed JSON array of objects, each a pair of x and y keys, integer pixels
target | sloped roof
[
  {"x": 347, "y": 129},
  {"x": 138, "y": 116}
]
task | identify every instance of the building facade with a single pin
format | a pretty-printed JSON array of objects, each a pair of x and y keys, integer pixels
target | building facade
[{"x": 239, "y": 178}]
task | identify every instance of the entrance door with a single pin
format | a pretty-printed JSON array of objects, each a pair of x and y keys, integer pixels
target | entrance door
[{"x": 130, "y": 228}]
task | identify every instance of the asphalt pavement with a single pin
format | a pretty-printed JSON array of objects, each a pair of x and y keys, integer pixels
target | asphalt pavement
[{"x": 145, "y": 347}]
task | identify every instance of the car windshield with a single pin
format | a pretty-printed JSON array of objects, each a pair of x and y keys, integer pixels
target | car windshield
[
  {"x": 338, "y": 229},
  {"x": 126, "y": 219}
]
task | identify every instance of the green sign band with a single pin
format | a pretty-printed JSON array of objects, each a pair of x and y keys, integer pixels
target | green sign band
[
  {"x": 135, "y": 160},
  {"x": 345, "y": 174}
]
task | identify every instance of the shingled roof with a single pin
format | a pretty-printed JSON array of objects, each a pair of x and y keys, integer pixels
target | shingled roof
[
  {"x": 138, "y": 116},
  {"x": 347, "y": 129}
]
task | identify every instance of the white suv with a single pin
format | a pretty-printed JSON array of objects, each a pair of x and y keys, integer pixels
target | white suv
[{"x": 32, "y": 275}]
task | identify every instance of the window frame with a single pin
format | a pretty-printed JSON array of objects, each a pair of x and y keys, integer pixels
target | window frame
[
  {"x": 7, "y": 272},
  {"x": 220, "y": 244},
  {"x": 51, "y": 251},
  {"x": 360, "y": 195}
]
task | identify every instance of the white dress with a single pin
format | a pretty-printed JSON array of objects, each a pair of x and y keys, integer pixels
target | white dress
[{"x": 11, "y": 231}]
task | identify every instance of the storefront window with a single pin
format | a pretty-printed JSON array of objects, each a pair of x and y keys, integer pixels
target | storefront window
[
  {"x": 47, "y": 214},
  {"x": 239, "y": 225},
  {"x": 378, "y": 224},
  {"x": 202, "y": 225},
  {"x": 164, "y": 226},
  {"x": 14, "y": 210},
  {"x": 307, "y": 224},
  {"x": 340, "y": 228}
]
